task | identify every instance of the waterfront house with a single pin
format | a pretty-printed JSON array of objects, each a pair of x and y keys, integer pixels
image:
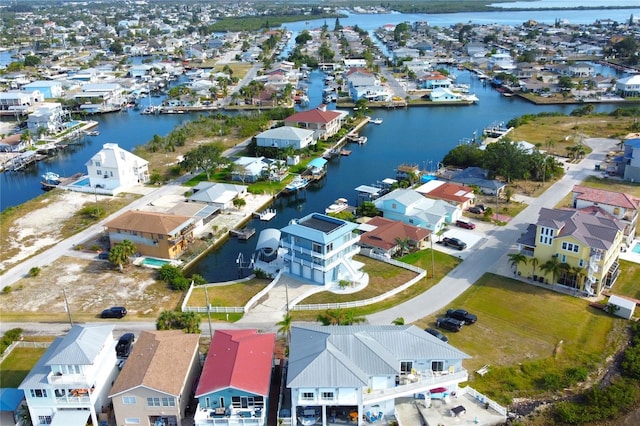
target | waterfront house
[
  {"x": 220, "y": 195},
  {"x": 156, "y": 383},
  {"x": 459, "y": 195},
  {"x": 441, "y": 94},
  {"x": 100, "y": 97},
  {"x": 252, "y": 169},
  {"x": 284, "y": 137},
  {"x": 585, "y": 243},
  {"x": 434, "y": 80},
  {"x": 48, "y": 89},
  {"x": 18, "y": 102},
  {"x": 14, "y": 143},
  {"x": 236, "y": 378},
  {"x": 47, "y": 117},
  {"x": 114, "y": 169},
  {"x": 69, "y": 384},
  {"x": 154, "y": 234},
  {"x": 473, "y": 176},
  {"x": 411, "y": 207},
  {"x": 629, "y": 166},
  {"x": 629, "y": 87},
  {"x": 623, "y": 207},
  {"x": 354, "y": 63},
  {"x": 353, "y": 371},
  {"x": 321, "y": 249},
  {"x": 388, "y": 237},
  {"x": 323, "y": 122}
]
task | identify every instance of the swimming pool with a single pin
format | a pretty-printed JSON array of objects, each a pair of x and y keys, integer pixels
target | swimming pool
[
  {"x": 83, "y": 182},
  {"x": 636, "y": 248},
  {"x": 152, "y": 261},
  {"x": 72, "y": 123}
]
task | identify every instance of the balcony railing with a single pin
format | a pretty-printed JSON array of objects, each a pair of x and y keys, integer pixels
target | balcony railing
[
  {"x": 423, "y": 383},
  {"x": 67, "y": 379},
  {"x": 72, "y": 400}
]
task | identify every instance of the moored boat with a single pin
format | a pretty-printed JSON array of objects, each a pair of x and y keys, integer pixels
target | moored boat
[
  {"x": 376, "y": 120},
  {"x": 339, "y": 205},
  {"x": 297, "y": 183},
  {"x": 50, "y": 180}
]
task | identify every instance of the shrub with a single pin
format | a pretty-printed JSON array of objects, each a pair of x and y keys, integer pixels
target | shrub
[
  {"x": 7, "y": 289},
  {"x": 34, "y": 272}
]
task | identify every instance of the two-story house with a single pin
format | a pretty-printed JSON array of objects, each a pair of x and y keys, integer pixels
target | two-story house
[
  {"x": 154, "y": 234},
  {"x": 114, "y": 169},
  {"x": 156, "y": 383},
  {"x": 284, "y": 137},
  {"x": 363, "y": 369},
  {"x": 622, "y": 206},
  {"x": 323, "y": 122},
  {"x": 321, "y": 249},
  {"x": 409, "y": 206},
  {"x": 575, "y": 248},
  {"x": 630, "y": 165},
  {"x": 235, "y": 381},
  {"x": 69, "y": 384}
]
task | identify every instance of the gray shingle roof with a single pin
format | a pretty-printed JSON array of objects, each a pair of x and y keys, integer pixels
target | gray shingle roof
[{"x": 591, "y": 227}]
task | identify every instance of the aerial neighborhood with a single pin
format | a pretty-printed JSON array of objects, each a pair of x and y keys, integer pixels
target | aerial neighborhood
[{"x": 187, "y": 269}]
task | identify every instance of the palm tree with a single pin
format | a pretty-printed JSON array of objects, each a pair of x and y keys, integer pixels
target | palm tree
[
  {"x": 554, "y": 267},
  {"x": 403, "y": 245},
  {"x": 516, "y": 259},
  {"x": 534, "y": 263},
  {"x": 285, "y": 327},
  {"x": 120, "y": 253},
  {"x": 580, "y": 274},
  {"x": 339, "y": 317}
]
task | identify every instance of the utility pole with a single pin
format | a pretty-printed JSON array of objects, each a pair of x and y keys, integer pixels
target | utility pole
[
  {"x": 206, "y": 298},
  {"x": 66, "y": 306},
  {"x": 433, "y": 262}
]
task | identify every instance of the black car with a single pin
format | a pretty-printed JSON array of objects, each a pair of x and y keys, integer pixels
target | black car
[
  {"x": 454, "y": 242},
  {"x": 436, "y": 333},
  {"x": 114, "y": 312},
  {"x": 462, "y": 315},
  {"x": 104, "y": 255},
  {"x": 450, "y": 324},
  {"x": 123, "y": 347},
  {"x": 476, "y": 210}
]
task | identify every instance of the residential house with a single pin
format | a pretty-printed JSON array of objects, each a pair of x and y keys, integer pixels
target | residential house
[
  {"x": 284, "y": 137},
  {"x": 236, "y": 378},
  {"x": 630, "y": 164},
  {"x": 354, "y": 63},
  {"x": 252, "y": 169},
  {"x": 458, "y": 195},
  {"x": 69, "y": 384},
  {"x": 441, "y": 94},
  {"x": 587, "y": 241},
  {"x": 156, "y": 383},
  {"x": 14, "y": 143},
  {"x": 48, "y": 117},
  {"x": 321, "y": 249},
  {"x": 629, "y": 87},
  {"x": 352, "y": 371},
  {"x": 100, "y": 97},
  {"x": 11, "y": 405},
  {"x": 19, "y": 102},
  {"x": 220, "y": 195},
  {"x": 411, "y": 207},
  {"x": 114, "y": 169},
  {"x": 364, "y": 84},
  {"x": 434, "y": 80},
  {"x": 154, "y": 234},
  {"x": 388, "y": 237},
  {"x": 48, "y": 89},
  {"x": 473, "y": 176},
  {"x": 323, "y": 122},
  {"x": 623, "y": 207}
]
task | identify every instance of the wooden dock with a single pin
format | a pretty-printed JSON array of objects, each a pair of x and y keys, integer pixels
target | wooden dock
[{"x": 243, "y": 234}]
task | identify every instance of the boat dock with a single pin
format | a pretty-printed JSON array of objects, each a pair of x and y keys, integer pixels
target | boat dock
[
  {"x": 266, "y": 215},
  {"x": 243, "y": 234}
]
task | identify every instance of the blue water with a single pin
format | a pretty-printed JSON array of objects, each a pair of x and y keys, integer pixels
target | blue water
[
  {"x": 636, "y": 248},
  {"x": 83, "y": 182},
  {"x": 152, "y": 261}
]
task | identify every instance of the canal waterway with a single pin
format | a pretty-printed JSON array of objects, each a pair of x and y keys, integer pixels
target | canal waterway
[{"x": 420, "y": 135}]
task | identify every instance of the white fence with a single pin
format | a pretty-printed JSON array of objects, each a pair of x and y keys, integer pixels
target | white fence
[
  {"x": 357, "y": 303},
  {"x": 23, "y": 344},
  {"x": 483, "y": 399}
]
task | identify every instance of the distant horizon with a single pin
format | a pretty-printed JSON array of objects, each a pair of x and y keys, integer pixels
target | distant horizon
[{"x": 565, "y": 4}]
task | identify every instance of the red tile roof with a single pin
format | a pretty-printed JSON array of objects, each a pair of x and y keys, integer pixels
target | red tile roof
[
  {"x": 239, "y": 359},
  {"x": 316, "y": 115},
  {"x": 388, "y": 231},
  {"x": 452, "y": 192},
  {"x": 610, "y": 198}
]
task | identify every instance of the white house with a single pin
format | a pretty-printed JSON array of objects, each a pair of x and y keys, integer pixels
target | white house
[
  {"x": 48, "y": 116},
  {"x": 49, "y": 89},
  {"x": 365, "y": 368},
  {"x": 18, "y": 101},
  {"x": 220, "y": 195},
  {"x": 286, "y": 136},
  {"x": 70, "y": 383},
  {"x": 629, "y": 86},
  {"x": 114, "y": 169}
]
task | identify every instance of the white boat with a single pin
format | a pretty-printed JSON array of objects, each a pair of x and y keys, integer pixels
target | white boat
[
  {"x": 376, "y": 120},
  {"x": 50, "y": 180},
  {"x": 297, "y": 183},
  {"x": 309, "y": 417},
  {"x": 362, "y": 140},
  {"x": 339, "y": 205},
  {"x": 93, "y": 133}
]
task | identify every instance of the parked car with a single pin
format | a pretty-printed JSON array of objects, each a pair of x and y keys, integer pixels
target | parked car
[
  {"x": 114, "y": 312},
  {"x": 450, "y": 324},
  {"x": 465, "y": 224},
  {"x": 436, "y": 333},
  {"x": 462, "y": 315},
  {"x": 123, "y": 347},
  {"x": 104, "y": 255},
  {"x": 476, "y": 210},
  {"x": 454, "y": 242}
]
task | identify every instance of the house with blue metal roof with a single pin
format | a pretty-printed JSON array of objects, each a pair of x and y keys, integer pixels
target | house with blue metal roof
[
  {"x": 49, "y": 89},
  {"x": 359, "y": 371},
  {"x": 70, "y": 383},
  {"x": 631, "y": 161},
  {"x": 321, "y": 249}
]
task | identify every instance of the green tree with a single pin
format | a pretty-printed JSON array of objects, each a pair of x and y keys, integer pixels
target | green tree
[
  {"x": 207, "y": 158},
  {"x": 403, "y": 245},
  {"x": 189, "y": 322},
  {"x": 554, "y": 267},
  {"x": 398, "y": 321},
  {"x": 515, "y": 259},
  {"x": 121, "y": 252},
  {"x": 534, "y": 264},
  {"x": 339, "y": 317},
  {"x": 284, "y": 327},
  {"x": 239, "y": 203},
  {"x": 32, "y": 61}
]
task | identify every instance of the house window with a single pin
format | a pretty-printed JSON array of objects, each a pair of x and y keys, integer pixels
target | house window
[
  {"x": 581, "y": 263},
  {"x": 160, "y": 237},
  {"x": 616, "y": 211},
  {"x": 564, "y": 258},
  {"x": 168, "y": 401},
  {"x": 437, "y": 365},
  {"x": 38, "y": 393},
  {"x": 132, "y": 420},
  {"x": 406, "y": 367},
  {"x": 329, "y": 247},
  {"x": 327, "y": 396},
  {"x": 258, "y": 401},
  {"x": 44, "y": 420},
  {"x": 308, "y": 396},
  {"x": 97, "y": 164},
  {"x": 128, "y": 400},
  {"x": 111, "y": 174},
  {"x": 317, "y": 248},
  {"x": 394, "y": 206},
  {"x": 99, "y": 172},
  {"x": 570, "y": 247},
  {"x": 153, "y": 402}
]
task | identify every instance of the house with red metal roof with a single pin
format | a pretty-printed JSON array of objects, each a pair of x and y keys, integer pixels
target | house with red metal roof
[
  {"x": 389, "y": 236},
  {"x": 325, "y": 123},
  {"x": 236, "y": 378},
  {"x": 619, "y": 205},
  {"x": 454, "y": 193}
]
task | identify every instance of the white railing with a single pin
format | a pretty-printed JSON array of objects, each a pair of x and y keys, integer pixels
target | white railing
[
  {"x": 423, "y": 384},
  {"x": 68, "y": 379},
  {"x": 72, "y": 400},
  {"x": 482, "y": 399},
  {"x": 23, "y": 344}
]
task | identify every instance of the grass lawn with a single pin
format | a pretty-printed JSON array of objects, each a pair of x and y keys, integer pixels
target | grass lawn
[
  {"x": 17, "y": 365},
  {"x": 628, "y": 284},
  {"x": 227, "y": 295},
  {"x": 532, "y": 348},
  {"x": 383, "y": 278}
]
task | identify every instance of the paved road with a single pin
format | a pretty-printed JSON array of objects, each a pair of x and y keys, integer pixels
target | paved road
[{"x": 489, "y": 255}]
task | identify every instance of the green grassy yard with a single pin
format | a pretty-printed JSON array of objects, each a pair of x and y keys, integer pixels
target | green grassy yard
[{"x": 17, "y": 365}]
